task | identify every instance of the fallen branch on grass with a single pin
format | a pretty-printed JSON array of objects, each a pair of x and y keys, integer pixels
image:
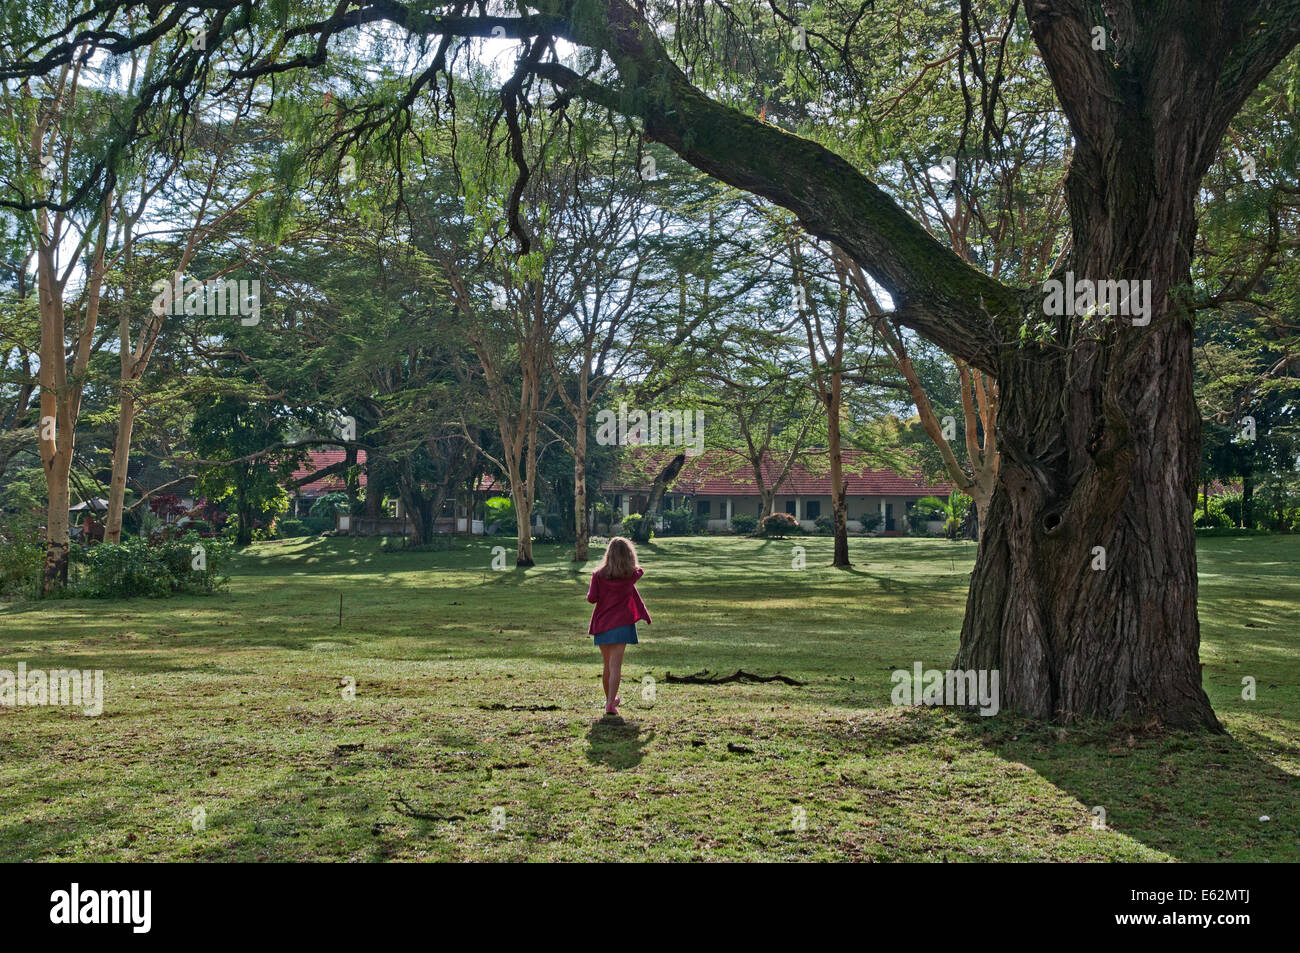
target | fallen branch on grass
[
  {"x": 739, "y": 675},
  {"x": 403, "y": 807},
  {"x": 497, "y": 706}
]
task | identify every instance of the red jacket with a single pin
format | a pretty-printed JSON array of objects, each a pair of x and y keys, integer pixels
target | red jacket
[{"x": 617, "y": 602}]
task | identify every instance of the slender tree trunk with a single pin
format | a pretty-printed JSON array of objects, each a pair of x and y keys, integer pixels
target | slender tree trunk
[
  {"x": 838, "y": 506},
  {"x": 580, "y": 489},
  {"x": 657, "y": 490},
  {"x": 244, "y": 534},
  {"x": 121, "y": 457},
  {"x": 521, "y": 494},
  {"x": 375, "y": 483},
  {"x": 57, "y": 423},
  {"x": 981, "y": 514},
  {"x": 57, "y": 540}
]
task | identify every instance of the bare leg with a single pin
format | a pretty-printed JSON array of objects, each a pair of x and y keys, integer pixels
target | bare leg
[
  {"x": 615, "y": 676},
  {"x": 604, "y": 675}
]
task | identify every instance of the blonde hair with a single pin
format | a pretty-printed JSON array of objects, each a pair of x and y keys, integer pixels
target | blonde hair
[{"x": 620, "y": 559}]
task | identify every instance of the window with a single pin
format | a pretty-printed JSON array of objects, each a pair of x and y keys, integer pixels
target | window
[
  {"x": 789, "y": 507},
  {"x": 813, "y": 509},
  {"x": 702, "y": 508}
]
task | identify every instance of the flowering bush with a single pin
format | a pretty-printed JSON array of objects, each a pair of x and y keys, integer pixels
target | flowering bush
[{"x": 781, "y": 524}]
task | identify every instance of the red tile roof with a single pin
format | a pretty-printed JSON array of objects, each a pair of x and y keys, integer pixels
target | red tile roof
[
  {"x": 332, "y": 483},
  {"x": 716, "y": 473}
]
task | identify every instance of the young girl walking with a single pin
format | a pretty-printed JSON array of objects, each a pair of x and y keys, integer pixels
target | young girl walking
[{"x": 618, "y": 609}]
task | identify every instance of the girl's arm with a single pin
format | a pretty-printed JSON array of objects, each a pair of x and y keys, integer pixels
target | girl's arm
[{"x": 591, "y": 590}]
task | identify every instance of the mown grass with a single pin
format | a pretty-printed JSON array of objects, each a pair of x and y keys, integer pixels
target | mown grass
[{"x": 476, "y": 730}]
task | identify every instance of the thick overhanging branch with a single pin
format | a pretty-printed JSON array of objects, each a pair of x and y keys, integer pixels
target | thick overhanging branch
[
  {"x": 935, "y": 293},
  {"x": 1264, "y": 32}
]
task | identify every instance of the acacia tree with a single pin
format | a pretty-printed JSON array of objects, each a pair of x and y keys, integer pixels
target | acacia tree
[
  {"x": 1097, "y": 418},
  {"x": 979, "y": 401},
  {"x": 45, "y": 116},
  {"x": 600, "y": 255},
  {"x": 206, "y": 195},
  {"x": 510, "y": 302},
  {"x": 827, "y": 326}
]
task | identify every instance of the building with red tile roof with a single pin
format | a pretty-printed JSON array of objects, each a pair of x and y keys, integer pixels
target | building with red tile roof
[
  {"x": 322, "y": 459},
  {"x": 718, "y": 485}
]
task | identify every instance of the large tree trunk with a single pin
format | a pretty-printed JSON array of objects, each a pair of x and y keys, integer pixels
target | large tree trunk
[
  {"x": 1102, "y": 441},
  {"x": 121, "y": 457}
]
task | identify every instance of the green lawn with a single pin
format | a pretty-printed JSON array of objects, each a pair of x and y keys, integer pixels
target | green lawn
[{"x": 476, "y": 731}]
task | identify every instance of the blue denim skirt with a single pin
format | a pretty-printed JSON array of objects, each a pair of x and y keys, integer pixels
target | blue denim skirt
[{"x": 623, "y": 635}]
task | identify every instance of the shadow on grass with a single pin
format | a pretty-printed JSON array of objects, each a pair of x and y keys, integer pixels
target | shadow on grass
[
  {"x": 616, "y": 743},
  {"x": 1195, "y": 796}
]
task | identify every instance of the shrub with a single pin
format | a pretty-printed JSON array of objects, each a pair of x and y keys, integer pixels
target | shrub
[
  {"x": 699, "y": 524},
  {"x": 139, "y": 567},
  {"x": 605, "y": 514},
  {"x": 824, "y": 525},
  {"x": 678, "y": 522},
  {"x": 1217, "y": 517},
  {"x": 315, "y": 525},
  {"x": 781, "y": 524},
  {"x": 1232, "y": 505},
  {"x": 744, "y": 523},
  {"x": 870, "y": 521},
  {"x": 22, "y": 563},
  {"x": 286, "y": 529},
  {"x": 632, "y": 525},
  {"x": 501, "y": 510}
]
